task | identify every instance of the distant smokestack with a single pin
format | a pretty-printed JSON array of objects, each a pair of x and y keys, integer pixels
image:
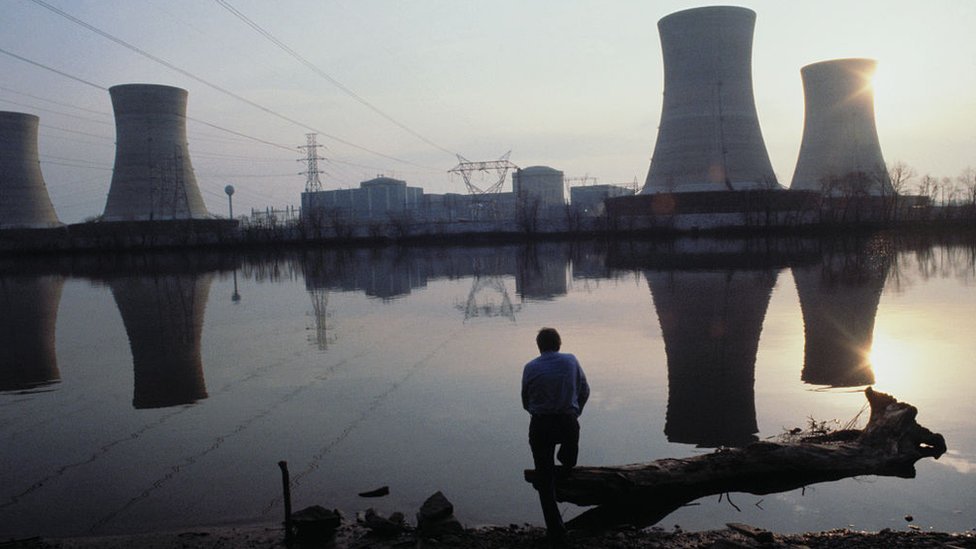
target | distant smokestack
[
  {"x": 24, "y": 201},
  {"x": 840, "y": 145},
  {"x": 709, "y": 137},
  {"x": 153, "y": 177}
]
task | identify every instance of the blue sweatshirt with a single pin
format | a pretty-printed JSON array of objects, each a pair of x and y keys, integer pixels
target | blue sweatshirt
[{"x": 554, "y": 383}]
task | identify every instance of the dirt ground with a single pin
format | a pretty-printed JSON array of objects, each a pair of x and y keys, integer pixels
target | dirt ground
[{"x": 355, "y": 536}]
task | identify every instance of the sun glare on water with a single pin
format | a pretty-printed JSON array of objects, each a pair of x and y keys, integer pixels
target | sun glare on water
[{"x": 894, "y": 363}]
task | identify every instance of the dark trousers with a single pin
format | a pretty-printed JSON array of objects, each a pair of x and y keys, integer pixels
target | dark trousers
[{"x": 545, "y": 433}]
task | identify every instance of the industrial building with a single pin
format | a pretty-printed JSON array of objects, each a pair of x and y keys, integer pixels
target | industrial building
[
  {"x": 24, "y": 200},
  {"x": 378, "y": 198},
  {"x": 386, "y": 199},
  {"x": 153, "y": 177},
  {"x": 590, "y": 200},
  {"x": 709, "y": 137},
  {"x": 840, "y": 154},
  {"x": 539, "y": 190}
]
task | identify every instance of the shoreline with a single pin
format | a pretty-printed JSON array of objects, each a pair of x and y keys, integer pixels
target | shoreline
[{"x": 354, "y": 535}]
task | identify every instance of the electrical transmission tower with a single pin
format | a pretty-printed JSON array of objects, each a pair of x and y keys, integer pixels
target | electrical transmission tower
[
  {"x": 311, "y": 160},
  {"x": 570, "y": 182},
  {"x": 498, "y": 167},
  {"x": 494, "y": 172}
]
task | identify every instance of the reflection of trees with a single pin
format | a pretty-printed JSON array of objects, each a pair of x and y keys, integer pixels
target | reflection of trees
[
  {"x": 30, "y": 310},
  {"x": 926, "y": 258},
  {"x": 839, "y": 300}
]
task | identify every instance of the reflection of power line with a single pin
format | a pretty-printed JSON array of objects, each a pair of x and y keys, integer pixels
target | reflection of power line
[
  {"x": 218, "y": 441},
  {"x": 503, "y": 308},
  {"x": 363, "y": 416},
  {"x": 255, "y": 374}
]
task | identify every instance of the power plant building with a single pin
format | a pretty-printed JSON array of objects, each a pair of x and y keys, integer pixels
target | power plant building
[
  {"x": 840, "y": 153},
  {"x": 153, "y": 177},
  {"x": 378, "y": 198},
  {"x": 709, "y": 137},
  {"x": 539, "y": 187},
  {"x": 590, "y": 200},
  {"x": 24, "y": 200}
]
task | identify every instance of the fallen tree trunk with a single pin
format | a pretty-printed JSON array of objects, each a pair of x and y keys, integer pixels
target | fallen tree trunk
[{"x": 642, "y": 494}]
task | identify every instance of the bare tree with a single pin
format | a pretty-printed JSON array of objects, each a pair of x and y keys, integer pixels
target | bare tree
[
  {"x": 967, "y": 184},
  {"x": 528, "y": 213},
  {"x": 928, "y": 186},
  {"x": 900, "y": 174}
]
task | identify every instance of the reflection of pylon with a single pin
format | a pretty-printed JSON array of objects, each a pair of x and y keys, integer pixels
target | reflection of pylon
[
  {"x": 320, "y": 304},
  {"x": 505, "y": 308}
]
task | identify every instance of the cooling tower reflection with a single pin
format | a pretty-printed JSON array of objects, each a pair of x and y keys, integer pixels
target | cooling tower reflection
[
  {"x": 30, "y": 311},
  {"x": 839, "y": 299},
  {"x": 163, "y": 317},
  {"x": 711, "y": 322}
]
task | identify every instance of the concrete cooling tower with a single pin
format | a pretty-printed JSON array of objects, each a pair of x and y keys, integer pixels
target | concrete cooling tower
[
  {"x": 709, "y": 137},
  {"x": 840, "y": 141},
  {"x": 153, "y": 177},
  {"x": 24, "y": 201}
]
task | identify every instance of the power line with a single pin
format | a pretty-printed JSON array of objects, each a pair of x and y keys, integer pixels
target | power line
[
  {"x": 103, "y": 88},
  {"x": 188, "y": 74},
  {"x": 284, "y": 47},
  {"x": 42, "y": 109},
  {"x": 45, "y": 67},
  {"x": 39, "y": 98}
]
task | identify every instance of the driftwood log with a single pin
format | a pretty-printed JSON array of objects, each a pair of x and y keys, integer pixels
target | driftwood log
[{"x": 642, "y": 494}]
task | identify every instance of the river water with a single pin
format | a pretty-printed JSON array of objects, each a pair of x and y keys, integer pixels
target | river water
[{"x": 160, "y": 391}]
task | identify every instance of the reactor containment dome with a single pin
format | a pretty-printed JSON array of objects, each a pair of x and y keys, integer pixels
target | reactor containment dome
[
  {"x": 153, "y": 177},
  {"x": 840, "y": 152},
  {"x": 24, "y": 201},
  {"x": 709, "y": 137}
]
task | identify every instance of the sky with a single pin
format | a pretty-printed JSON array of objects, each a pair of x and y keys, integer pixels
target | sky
[{"x": 400, "y": 88}]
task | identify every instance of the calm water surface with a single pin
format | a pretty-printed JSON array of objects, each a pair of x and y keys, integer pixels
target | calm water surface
[{"x": 161, "y": 392}]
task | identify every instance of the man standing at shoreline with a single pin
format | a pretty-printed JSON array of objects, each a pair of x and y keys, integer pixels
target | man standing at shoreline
[{"x": 554, "y": 391}]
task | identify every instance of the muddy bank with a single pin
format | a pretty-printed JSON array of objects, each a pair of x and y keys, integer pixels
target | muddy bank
[{"x": 356, "y": 536}]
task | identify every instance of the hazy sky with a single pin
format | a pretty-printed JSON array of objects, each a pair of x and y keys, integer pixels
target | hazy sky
[{"x": 572, "y": 84}]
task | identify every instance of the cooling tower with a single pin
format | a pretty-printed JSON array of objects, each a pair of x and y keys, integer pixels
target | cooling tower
[
  {"x": 840, "y": 144},
  {"x": 153, "y": 177},
  {"x": 24, "y": 201},
  {"x": 709, "y": 137}
]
